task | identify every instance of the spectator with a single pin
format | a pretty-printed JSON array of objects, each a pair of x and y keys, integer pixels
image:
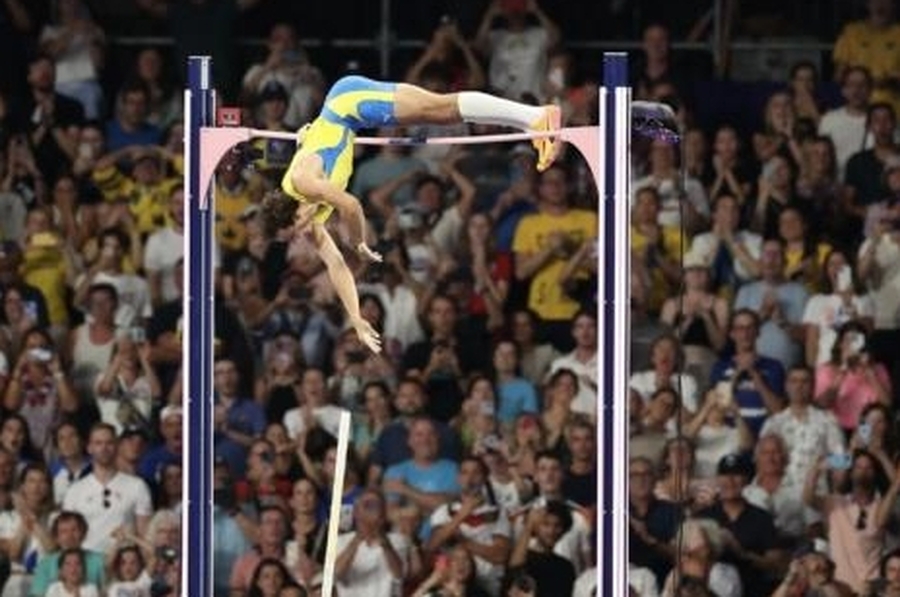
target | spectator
[
  {"x": 580, "y": 483},
  {"x": 803, "y": 85},
  {"x": 543, "y": 243},
  {"x": 448, "y": 57},
  {"x": 511, "y": 489},
  {"x": 52, "y": 118},
  {"x": 518, "y": 51},
  {"x": 392, "y": 446},
  {"x": 164, "y": 251},
  {"x": 780, "y": 134},
  {"x": 23, "y": 184},
  {"x": 652, "y": 522},
  {"x": 238, "y": 419},
  {"x": 535, "y": 357},
  {"x": 166, "y": 104},
  {"x": 492, "y": 271},
  {"x": 76, "y": 43},
  {"x": 731, "y": 252},
  {"x": 304, "y": 551},
  {"x": 68, "y": 531},
  {"x": 804, "y": 254},
  {"x": 864, "y": 175},
  {"x": 390, "y": 163},
  {"x": 134, "y": 306},
  {"x": 49, "y": 264},
  {"x": 129, "y": 575},
  {"x": 870, "y": 43},
  {"x": 18, "y": 320},
  {"x": 655, "y": 249},
  {"x": 425, "y": 480},
  {"x": 779, "y": 304},
  {"x": 128, "y": 389},
  {"x": 698, "y": 318},
  {"x": 846, "y": 124},
  {"x": 371, "y": 559},
  {"x": 718, "y": 429},
  {"x": 702, "y": 543},
  {"x": 453, "y": 574},
  {"x": 851, "y": 380},
  {"x": 774, "y": 192},
  {"x": 553, "y": 574},
  {"x": 679, "y": 483},
  {"x": 269, "y": 577},
  {"x": 269, "y": 545},
  {"x": 750, "y": 532},
  {"x": 664, "y": 175},
  {"x": 71, "y": 463},
  {"x": 476, "y": 522},
  {"x": 667, "y": 371},
  {"x": 168, "y": 450},
  {"x": 811, "y": 571},
  {"x": 289, "y": 65},
  {"x": 757, "y": 381},
  {"x": 129, "y": 127},
  {"x": 575, "y": 543},
  {"x": 582, "y": 361},
  {"x": 856, "y": 517},
  {"x": 91, "y": 344},
  {"x": 888, "y": 581},
  {"x": 25, "y": 530},
  {"x": 238, "y": 193},
  {"x": 107, "y": 498},
  {"x": 808, "y": 432},
  {"x": 656, "y": 64},
  {"x": 877, "y": 434},
  {"x": 72, "y": 577},
  {"x": 38, "y": 389},
  {"x": 776, "y": 493},
  {"x": 653, "y": 424},
  {"x": 314, "y": 408},
  {"x": 838, "y": 301}
]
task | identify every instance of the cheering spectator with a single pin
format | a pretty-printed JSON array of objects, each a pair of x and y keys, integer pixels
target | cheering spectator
[
  {"x": 683, "y": 202},
  {"x": 552, "y": 573},
  {"x": 652, "y": 523},
  {"x": 666, "y": 372},
  {"x": 718, "y": 429},
  {"x": 68, "y": 530},
  {"x": 702, "y": 543},
  {"x": 108, "y": 499},
  {"x": 270, "y": 544},
  {"x": 734, "y": 174},
  {"x": 238, "y": 419},
  {"x": 582, "y": 361},
  {"x": 846, "y": 124}
]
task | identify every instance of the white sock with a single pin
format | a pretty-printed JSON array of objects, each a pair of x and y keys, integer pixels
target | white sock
[{"x": 483, "y": 108}]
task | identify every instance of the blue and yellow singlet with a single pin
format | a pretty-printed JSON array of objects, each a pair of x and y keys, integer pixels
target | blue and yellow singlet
[{"x": 352, "y": 103}]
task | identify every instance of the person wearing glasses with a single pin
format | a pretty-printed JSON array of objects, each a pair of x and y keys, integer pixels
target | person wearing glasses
[
  {"x": 107, "y": 498},
  {"x": 856, "y": 514}
]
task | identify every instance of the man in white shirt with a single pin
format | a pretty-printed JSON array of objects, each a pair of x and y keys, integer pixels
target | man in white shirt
[
  {"x": 315, "y": 411},
  {"x": 370, "y": 561},
  {"x": 732, "y": 254},
  {"x": 846, "y": 125},
  {"x": 107, "y": 498},
  {"x": 808, "y": 432},
  {"x": 477, "y": 522}
]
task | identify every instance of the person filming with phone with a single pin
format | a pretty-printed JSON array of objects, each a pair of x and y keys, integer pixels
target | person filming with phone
[
  {"x": 851, "y": 380},
  {"x": 856, "y": 513}
]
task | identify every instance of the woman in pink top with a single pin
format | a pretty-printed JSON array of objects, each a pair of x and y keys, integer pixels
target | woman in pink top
[{"x": 850, "y": 380}]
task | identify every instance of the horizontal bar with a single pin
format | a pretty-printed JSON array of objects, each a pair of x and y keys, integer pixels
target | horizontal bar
[{"x": 459, "y": 140}]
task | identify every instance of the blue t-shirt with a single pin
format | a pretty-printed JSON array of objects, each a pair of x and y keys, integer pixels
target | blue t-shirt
[
  {"x": 515, "y": 397},
  {"x": 438, "y": 477},
  {"x": 748, "y": 398},
  {"x": 116, "y": 138}
]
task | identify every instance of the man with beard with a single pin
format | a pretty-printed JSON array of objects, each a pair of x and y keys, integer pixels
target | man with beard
[{"x": 856, "y": 517}]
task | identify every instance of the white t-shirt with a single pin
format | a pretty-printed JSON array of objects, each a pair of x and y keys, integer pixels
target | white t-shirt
[
  {"x": 706, "y": 244},
  {"x": 164, "y": 249},
  {"x": 130, "y": 588},
  {"x": 827, "y": 312},
  {"x": 644, "y": 383},
  {"x": 369, "y": 573},
  {"x": 134, "y": 298},
  {"x": 10, "y": 525},
  {"x": 518, "y": 62},
  {"x": 847, "y": 132},
  {"x": 401, "y": 322},
  {"x": 585, "y": 401},
  {"x": 106, "y": 508},
  {"x": 74, "y": 63},
  {"x": 485, "y": 523},
  {"x": 886, "y": 295},
  {"x": 670, "y": 196}
]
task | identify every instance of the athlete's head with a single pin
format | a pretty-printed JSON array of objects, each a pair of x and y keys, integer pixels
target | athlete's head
[{"x": 279, "y": 211}]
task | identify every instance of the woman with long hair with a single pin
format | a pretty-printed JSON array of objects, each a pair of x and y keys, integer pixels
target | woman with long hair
[
  {"x": 850, "y": 380},
  {"x": 804, "y": 255},
  {"x": 269, "y": 577}
]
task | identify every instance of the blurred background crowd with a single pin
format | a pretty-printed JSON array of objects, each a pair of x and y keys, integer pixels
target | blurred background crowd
[{"x": 765, "y": 284}]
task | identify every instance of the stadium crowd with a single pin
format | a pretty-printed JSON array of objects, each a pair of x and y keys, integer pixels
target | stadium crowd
[{"x": 765, "y": 284}]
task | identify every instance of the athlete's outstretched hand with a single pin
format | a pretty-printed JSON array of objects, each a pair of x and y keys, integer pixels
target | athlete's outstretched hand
[
  {"x": 367, "y": 334},
  {"x": 367, "y": 253}
]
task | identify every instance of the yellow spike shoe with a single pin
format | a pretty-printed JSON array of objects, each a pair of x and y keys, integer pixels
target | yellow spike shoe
[{"x": 547, "y": 147}]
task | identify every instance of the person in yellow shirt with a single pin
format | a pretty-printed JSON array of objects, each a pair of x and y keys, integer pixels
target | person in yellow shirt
[
  {"x": 315, "y": 183},
  {"x": 145, "y": 189},
  {"x": 48, "y": 265},
  {"x": 542, "y": 245},
  {"x": 236, "y": 191},
  {"x": 873, "y": 43}
]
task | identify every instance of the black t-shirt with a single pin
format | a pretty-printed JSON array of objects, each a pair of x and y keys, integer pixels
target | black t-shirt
[
  {"x": 272, "y": 266},
  {"x": 581, "y": 489},
  {"x": 553, "y": 574},
  {"x": 662, "y": 520},
  {"x": 755, "y": 530}
]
